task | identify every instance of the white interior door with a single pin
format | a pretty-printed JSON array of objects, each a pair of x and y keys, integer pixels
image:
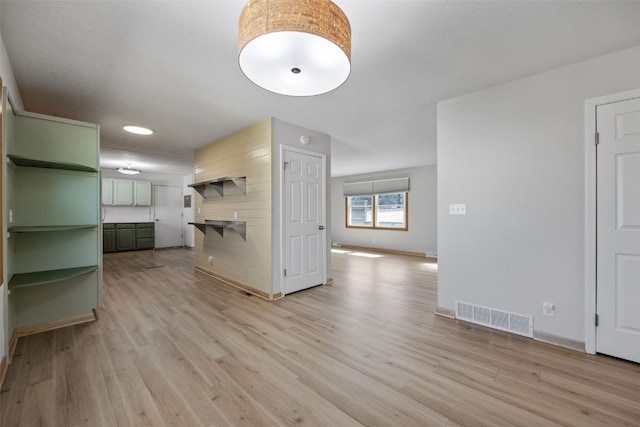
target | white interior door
[
  {"x": 304, "y": 218},
  {"x": 168, "y": 216},
  {"x": 618, "y": 230}
]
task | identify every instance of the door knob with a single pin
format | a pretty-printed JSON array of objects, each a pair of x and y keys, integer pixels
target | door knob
[{"x": 321, "y": 227}]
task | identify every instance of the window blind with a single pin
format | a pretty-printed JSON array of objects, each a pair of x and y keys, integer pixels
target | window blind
[{"x": 379, "y": 186}]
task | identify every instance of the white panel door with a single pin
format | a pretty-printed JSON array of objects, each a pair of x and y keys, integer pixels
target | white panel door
[
  {"x": 618, "y": 233},
  {"x": 304, "y": 216},
  {"x": 168, "y": 214}
]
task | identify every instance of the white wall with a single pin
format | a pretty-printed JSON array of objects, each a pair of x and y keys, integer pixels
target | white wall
[
  {"x": 9, "y": 81},
  {"x": 514, "y": 153},
  {"x": 422, "y": 234}
]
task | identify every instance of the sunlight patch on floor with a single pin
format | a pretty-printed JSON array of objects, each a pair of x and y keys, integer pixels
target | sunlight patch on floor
[
  {"x": 339, "y": 251},
  {"x": 429, "y": 266},
  {"x": 366, "y": 255}
]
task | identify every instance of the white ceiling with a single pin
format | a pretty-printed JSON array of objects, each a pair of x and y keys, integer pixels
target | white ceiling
[{"x": 172, "y": 66}]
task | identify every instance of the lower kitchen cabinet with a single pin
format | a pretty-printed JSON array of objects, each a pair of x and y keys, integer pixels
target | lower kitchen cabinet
[
  {"x": 125, "y": 237},
  {"x": 130, "y": 236},
  {"x": 108, "y": 238},
  {"x": 145, "y": 235}
]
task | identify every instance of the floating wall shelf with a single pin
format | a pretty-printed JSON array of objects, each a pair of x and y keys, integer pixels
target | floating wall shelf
[
  {"x": 218, "y": 184},
  {"x": 239, "y": 227}
]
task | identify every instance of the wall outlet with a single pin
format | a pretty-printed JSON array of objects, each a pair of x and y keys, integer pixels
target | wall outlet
[
  {"x": 458, "y": 209},
  {"x": 235, "y": 215},
  {"x": 198, "y": 210},
  {"x": 549, "y": 309},
  {"x": 210, "y": 260}
]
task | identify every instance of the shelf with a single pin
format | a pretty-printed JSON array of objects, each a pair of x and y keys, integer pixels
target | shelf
[
  {"x": 218, "y": 184},
  {"x": 24, "y": 280},
  {"x": 239, "y": 227},
  {"x": 34, "y": 163},
  {"x": 46, "y": 228}
]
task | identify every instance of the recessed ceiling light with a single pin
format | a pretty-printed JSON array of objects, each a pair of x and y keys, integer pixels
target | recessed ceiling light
[{"x": 138, "y": 130}]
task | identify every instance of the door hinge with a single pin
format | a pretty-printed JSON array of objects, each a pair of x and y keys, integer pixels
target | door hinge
[
  {"x": 597, "y": 138},
  {"x": 285, "y": 272},
  {"x": 597, "y": 320},
  {"x": 285, "y": 165}
]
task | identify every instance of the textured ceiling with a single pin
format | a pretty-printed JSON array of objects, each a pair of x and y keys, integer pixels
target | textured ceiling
[{"x": 172, "y": 66}]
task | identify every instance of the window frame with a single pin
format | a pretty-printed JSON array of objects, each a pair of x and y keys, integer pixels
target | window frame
[{"x": 374, "y": 210}]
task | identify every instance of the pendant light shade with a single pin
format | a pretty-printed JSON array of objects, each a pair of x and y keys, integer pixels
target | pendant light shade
[{"x": 295, "y": 47}]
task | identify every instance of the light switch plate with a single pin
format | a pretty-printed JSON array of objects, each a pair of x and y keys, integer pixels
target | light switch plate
[{"x": 458, "y": 209}]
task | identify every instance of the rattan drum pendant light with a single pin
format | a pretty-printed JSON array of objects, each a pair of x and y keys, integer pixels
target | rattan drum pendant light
[{"x": 295, "y": 47}]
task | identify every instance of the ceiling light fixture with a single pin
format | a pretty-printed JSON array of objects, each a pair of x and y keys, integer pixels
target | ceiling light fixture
[
  {"x": 294, "y": 47},
  {"x": 138, "y": 130},
  {"x": 129, "y": 171}
]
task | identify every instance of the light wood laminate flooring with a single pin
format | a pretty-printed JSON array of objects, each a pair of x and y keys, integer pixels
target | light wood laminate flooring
[{"x": 173, "y": 347}]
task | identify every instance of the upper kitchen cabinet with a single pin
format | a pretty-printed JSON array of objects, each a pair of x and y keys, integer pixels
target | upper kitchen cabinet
[
  {"x": 142, "y": 193},
  {"x": 122, "y": 192},
  {"x": 125, "y": 192},
  {"x": 107, "y": 191}
]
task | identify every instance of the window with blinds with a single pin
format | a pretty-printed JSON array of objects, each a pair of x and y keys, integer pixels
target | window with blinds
[{"x": 380, "y": 204}]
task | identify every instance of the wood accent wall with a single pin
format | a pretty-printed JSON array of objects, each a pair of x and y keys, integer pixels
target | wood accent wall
[{"x": 244, "y": 153}]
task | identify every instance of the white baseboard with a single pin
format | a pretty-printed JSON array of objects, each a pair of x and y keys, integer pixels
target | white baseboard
[{"x": 559, "y": 341}]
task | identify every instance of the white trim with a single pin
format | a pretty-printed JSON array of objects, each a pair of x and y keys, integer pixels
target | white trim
[
  {"x": 558, "y": 340},
  {"x": 325, "y": 246},
  {"x": 590, "y": 305}
]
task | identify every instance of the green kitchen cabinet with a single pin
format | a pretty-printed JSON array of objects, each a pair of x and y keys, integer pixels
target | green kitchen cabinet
[
  {"x": 108, "y": 238},
  {"x": 145, "y": 235},
  {"x": 122, "y": 237},
  {"x": 52, "y": 231},
  {"x": 125, "y": 237}
]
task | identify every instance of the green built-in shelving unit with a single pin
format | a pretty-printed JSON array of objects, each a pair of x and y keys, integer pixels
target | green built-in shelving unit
[{"x": 52, "y": 212}]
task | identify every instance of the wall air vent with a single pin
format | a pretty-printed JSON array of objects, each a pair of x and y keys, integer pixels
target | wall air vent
[{"x": 496, "y": 319}]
